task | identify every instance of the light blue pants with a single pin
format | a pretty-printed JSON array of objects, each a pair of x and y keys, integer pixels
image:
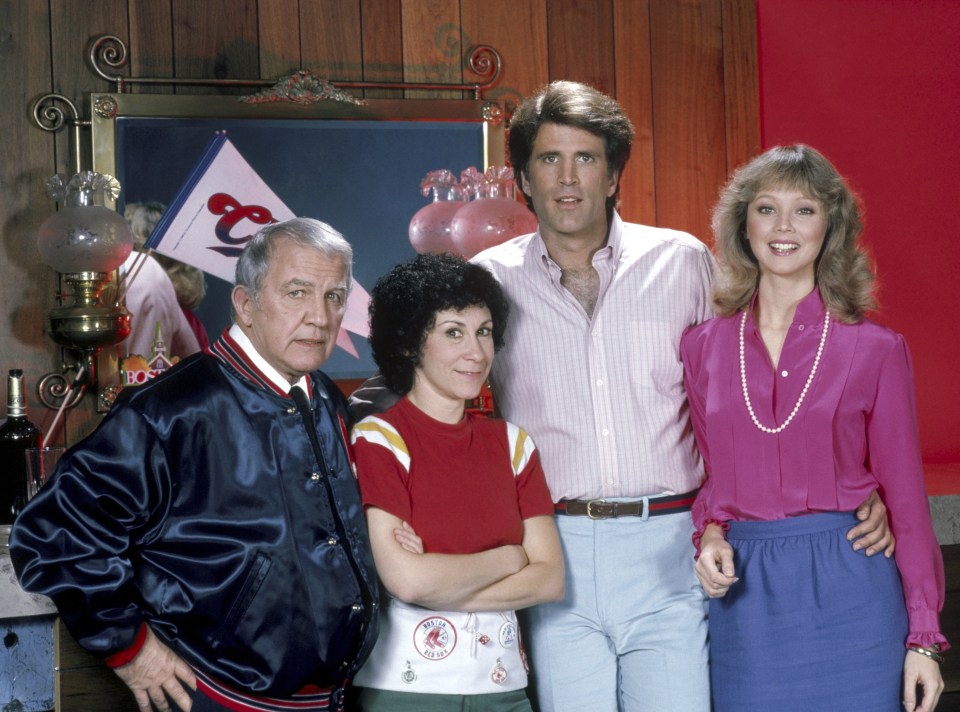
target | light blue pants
[{"x": 631, "y": 632}]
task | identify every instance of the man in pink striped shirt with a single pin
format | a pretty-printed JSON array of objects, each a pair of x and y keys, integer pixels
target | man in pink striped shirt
[{"x": 591, "y": 369}]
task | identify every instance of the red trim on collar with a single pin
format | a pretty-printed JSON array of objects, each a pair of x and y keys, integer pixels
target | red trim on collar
[{"x": 231, "y": 353}]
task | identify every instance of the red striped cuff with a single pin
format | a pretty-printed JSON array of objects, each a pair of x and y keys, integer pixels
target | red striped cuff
[{"x": 125, "y": 656}]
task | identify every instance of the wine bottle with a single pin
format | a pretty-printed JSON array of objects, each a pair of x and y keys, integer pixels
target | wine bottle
[{"x": 16, "y": 435}]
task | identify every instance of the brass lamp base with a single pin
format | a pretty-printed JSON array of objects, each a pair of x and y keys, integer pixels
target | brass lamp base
[{"x": 85, "y": 326}]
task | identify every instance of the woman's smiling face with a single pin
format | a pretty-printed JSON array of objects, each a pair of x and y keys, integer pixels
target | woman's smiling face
[{"x": 786, "y": 229}]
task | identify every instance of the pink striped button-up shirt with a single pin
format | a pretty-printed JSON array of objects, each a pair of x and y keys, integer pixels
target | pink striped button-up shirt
[{"x": 603, "y": 396}]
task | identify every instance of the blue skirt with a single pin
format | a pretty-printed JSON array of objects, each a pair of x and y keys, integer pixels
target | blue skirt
[{"x": 810, "y": 625}]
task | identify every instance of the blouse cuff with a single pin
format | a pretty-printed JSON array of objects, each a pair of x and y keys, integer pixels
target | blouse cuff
[
  {"x": 123, "y": 657},
  {"x": 926, "y": 640},
  {"x": 698, "y": 535}
]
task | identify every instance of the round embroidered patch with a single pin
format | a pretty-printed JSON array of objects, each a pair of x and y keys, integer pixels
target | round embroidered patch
[{"x": 435, "y": 638}]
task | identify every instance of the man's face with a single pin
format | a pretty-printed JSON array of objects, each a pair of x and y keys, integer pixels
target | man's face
[
  {"x": 568, "y": 181},
  {"x": 295, "y": 322}
]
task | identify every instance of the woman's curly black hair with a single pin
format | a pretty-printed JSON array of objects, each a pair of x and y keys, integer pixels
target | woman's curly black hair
[{"x": 405, "y": 302}]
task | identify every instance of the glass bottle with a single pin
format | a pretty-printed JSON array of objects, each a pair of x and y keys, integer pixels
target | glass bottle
[{"x": 16, "y": 435}]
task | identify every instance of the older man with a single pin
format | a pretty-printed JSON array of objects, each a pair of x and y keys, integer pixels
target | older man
[{"x": 207, "y": 540}]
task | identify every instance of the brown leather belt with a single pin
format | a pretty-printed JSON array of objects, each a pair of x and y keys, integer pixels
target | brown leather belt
[{"x": 602, "y": 509}]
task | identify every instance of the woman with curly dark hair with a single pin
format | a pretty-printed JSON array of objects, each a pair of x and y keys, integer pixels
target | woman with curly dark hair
[
  {"x": 801, "y": 407},
  {"x": 460, "y": 517}
]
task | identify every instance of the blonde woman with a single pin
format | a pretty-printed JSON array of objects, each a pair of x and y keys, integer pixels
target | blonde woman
[{"x": 801, "y": 407}]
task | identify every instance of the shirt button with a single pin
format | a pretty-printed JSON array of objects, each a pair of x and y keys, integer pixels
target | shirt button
[
  {"x": 315, "y": 476},
  {"x": 332, "y": 541},
  {"x": 356, "y": 607},
  {"x": 291, "y": 411},
  {"x": 784, "y": 373},
  {"x": 599, "y": 381},
  {"x": 800, "y": 327},
  {"x": 605, "y": 431}
]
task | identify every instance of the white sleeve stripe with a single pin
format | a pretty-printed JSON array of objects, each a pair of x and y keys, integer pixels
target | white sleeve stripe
[
  {"x": 379, "y": 432},
  {"x": 521, "y": 448}
]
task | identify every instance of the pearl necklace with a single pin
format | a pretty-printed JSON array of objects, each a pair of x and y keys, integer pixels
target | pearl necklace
[{"x": 806, "y": 386}]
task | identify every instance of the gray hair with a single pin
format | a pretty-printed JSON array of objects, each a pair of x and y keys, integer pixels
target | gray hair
[{"x": 254, "y": 261}]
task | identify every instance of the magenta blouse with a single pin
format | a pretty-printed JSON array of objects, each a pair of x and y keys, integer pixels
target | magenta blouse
[{"x": 856, "y": 431}]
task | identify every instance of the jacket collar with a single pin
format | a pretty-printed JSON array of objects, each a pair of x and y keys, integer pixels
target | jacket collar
[{"x": 237, "y": 351}]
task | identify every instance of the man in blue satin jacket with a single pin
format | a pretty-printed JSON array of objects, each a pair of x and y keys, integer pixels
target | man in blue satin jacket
[{"x": 207, "y": 539}]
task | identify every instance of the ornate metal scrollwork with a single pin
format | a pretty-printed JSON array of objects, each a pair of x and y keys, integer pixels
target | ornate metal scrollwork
[
  {"x": 108, "y": 52},
  {"x": 53, "y": 388},
  {"x": 111, "y": 50},
  {"x": 484, "y": 61},
  {"x": 49, "y": 115}
]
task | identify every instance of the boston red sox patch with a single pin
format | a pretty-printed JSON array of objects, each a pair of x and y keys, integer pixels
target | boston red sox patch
[{"x": 435, "y": 638}]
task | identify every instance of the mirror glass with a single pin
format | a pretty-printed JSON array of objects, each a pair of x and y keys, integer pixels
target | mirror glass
[{"x": 357, "y": 168}]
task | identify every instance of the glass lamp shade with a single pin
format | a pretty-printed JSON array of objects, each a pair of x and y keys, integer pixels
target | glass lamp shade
[
  {"x": 430, "y": 226},
  {"x": 429, "y": 229},
  {"x": 85, "y": 238},
  {"x": 486, "y": 222},
  {"x": 493, "y": 216}
]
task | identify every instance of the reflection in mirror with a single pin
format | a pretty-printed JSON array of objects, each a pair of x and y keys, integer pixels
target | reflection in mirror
[{"x": 357, "y": 168}]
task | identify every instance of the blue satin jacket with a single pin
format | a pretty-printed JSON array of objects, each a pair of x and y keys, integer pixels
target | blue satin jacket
[{"x": 199, "y": 507}]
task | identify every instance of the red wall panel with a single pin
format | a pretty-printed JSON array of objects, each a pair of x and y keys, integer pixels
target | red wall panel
[{"x": 875, "y": 85}]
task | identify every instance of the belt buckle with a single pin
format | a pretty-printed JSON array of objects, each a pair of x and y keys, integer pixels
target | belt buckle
[{"x": 590, "y": 504}]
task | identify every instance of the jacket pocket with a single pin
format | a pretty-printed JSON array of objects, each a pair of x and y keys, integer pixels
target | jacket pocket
[{"x": 255, "y": 576}]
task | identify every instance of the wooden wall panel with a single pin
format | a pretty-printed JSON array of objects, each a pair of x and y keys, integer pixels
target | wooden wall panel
[
  {"x": 215, "y": 39},
  {"x": 581, "y": 42},
  {"x": 688, "y": 106},
  {"x": 151, "y": 42},
  {"x": 432, "y": 46},
  {"x": 634, "y": 90},
  {"x": 741, "y": 82},
  {"x": 279, "y": 38},
  {"x": 382, "y": 23},
  {"x": 685, "y": 71},
  {"x": 331, "y": 38}
]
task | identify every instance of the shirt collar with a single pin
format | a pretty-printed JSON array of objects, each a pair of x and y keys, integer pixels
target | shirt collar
[
  {"x": 611, "y": 251},
  {"x": 264, "y": 373},
  {"x": 810, "y": 310}
]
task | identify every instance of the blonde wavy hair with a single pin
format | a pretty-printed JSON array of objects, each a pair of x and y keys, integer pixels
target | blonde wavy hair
[
  {"x": 843, "y": 268},
  {"x": 188, "y": 282}
]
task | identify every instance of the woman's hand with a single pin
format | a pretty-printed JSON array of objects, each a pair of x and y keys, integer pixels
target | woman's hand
[
  {"x": 873, "y": 533},
  {"x": 715, "y": 565},
  {"x": 921, "y": 671},
  {"x": 407, "y": 538}
]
